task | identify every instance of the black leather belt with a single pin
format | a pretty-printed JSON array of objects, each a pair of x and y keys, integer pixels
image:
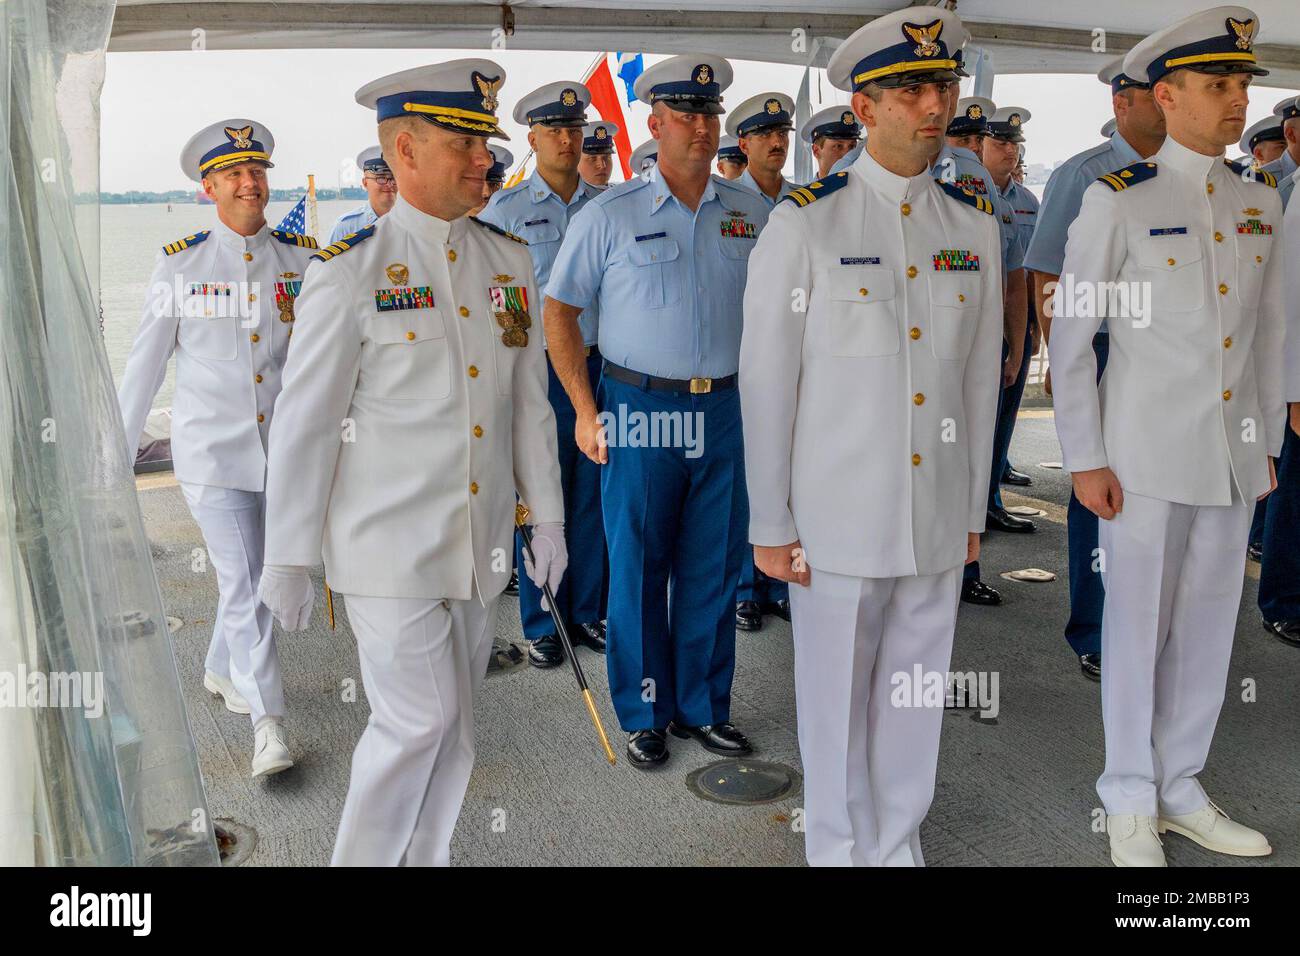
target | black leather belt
[{"x": 696, "y": 386}]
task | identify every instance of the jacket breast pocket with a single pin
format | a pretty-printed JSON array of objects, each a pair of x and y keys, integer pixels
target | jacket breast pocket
[
  {"x": 955, "y": 312},
  {"x": 209, "y": 337},
  {"x": 654, "y": 277},
  {"x": 1252, "y": 257},
  {"x": 409, "y": 357},
  {"x": 863, "y": 320},
  {"x": 1176, "y": 270}
]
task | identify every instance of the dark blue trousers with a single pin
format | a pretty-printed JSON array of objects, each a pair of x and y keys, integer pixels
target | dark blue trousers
[
  {"x": 1087, "y": 597},
  {"x": 582, "y": 590},
  {"x": 678, "y": 529},
  {"x": 757, "y": 586},
  {"x": 1279, "y": 572}
]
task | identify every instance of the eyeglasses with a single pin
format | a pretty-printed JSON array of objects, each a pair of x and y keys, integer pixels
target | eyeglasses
[{"x": 387, "y": 181}]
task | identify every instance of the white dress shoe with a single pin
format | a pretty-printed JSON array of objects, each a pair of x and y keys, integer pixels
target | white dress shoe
[
  {"x": 270, "y": 752},
  {"x": 1133, "y": 840},
  {"x": 219, "y": 686},
  {"x": 1214, "y": 830}
]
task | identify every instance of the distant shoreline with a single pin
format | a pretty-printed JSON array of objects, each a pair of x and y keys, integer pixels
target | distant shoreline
[{"x": 183, "y": 197}]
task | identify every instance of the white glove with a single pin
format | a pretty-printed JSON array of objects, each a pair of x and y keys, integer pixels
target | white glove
[
  {"x": 288, "y": 594},
  {"x": 552, "y": 557}
]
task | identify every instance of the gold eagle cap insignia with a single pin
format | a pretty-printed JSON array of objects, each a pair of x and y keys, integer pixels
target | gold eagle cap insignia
[
  {"x": 488, "y": 87},
  {"x": 398, "y": 273},
  {"x": 846, "y": 118},
  {"x": 924, "y": 35},
  {"x": 974, "y": 111},
  {"x": 568, "y": 98},
  {"x": 1014, "y": 120},
  {"x": 1245, "y": 31},
  {"x": 241, "y": 138},
  {"x": 772, "y": 106},
  {"x": 602, "y": 133}
]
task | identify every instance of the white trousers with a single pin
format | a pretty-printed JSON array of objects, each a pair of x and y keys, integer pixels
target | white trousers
[
  {"x": 869, "y": 764},
  {"x": 422, "y": 662},
  {"x": 1173, "y": 578},
  {"x": 242, "y": 647}
]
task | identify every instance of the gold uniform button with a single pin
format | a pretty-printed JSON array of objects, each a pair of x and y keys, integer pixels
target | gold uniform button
[
  {"x": 255, "y": 337},
  {"x": 1227, "y": 394},
  {"x": 916, "y": 459},
  {"x": 911, "y": 272},
  {"x": 1223, "y": 288},
  {"x": 960, "y": 297},
  {"x": 915, "y": 333},
  {"x": 1171, "y": 262},
  {"x": 473, "y": 371},
  {"x": 473, "y": 487},
  {"x": 907, "y": 210},
  {"x": 451, "y": 254},
  {"x": 1259, "y": 258},
  {"x": 248, "y": 257},
  {"x": 1218, "y": 237},
  {"x": 257, "y": 379},
  {"x": 464, "y": 312},
  {"x": 261, "y": 418},
  {"x": 478, "y": 431},
  {"x": 918, "y": 399},
  {"x": 1227, "y": 343},
  {"x": 410, "y": 336},
  {"x": 1209, "y": 187},
  {"x": 862, "y": 292},
  {"x": 252, "y": 297}
]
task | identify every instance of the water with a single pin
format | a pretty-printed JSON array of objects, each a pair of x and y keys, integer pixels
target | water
[{"x": 130, "y": 240}]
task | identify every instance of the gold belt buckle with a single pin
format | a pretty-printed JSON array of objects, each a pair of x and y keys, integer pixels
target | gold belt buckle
[
  {"x": 701, "y": 386},
  {"x": 587, "y": 351}
]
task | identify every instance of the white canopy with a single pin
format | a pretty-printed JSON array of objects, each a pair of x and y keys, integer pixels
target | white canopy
[{"x": 1019, "y": 36}]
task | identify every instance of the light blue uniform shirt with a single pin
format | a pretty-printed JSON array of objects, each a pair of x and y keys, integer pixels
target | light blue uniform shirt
[
  {"x": 532, "y": 210},
  {"x": 1283, "y": 168},
  {"x": 669, "y": 282},
  {"x": 353, "y": 221},
  {"x": 746, "y": 180},
  {"x": 1024, "y": 210},
  {"x": 964, "y": 169}
]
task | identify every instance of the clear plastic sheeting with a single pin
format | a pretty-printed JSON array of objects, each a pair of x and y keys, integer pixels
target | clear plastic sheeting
[{"x": 97, "y": 765}]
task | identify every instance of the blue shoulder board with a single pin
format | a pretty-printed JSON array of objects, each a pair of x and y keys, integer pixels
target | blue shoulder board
[
  {"x": 1128, "y": 176},
  {"x": 498, "y": 230},
  {"x": 968, "y": 196},
  {"x": 1252, "y": 173},
  {"x": 816, "y": 190},
  {"x": 174, "y": 247},
  {"x": 294, "y": 239},
  {"x": 344, "y": 244}
]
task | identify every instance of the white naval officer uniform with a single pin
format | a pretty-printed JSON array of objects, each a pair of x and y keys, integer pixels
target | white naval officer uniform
[
  {"x": 404, "y": 432},
  {"x": 1187, "y": 414},
  {"x": 222, "y": 303},
  {"x": 868, "y": 437}
]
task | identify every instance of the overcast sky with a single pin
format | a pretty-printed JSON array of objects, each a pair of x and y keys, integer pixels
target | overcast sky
[{"x": 305, "y": 97}]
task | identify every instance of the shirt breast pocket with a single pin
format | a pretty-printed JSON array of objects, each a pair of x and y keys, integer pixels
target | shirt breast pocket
[
  {"x": 954, "y": 311},
  {"x": 1174, "y": 267},
  {"x": 540, "y": 233},
  {"x": 209, "y": 336},
  {"x": 863, "y": 320},
  {"x": 654, "y": 272},
  {"x": 1252, "y": 257},
  {"x": 409, "y": 357}
]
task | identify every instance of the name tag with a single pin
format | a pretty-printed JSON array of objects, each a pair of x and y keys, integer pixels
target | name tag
[
  {"x": 859, "y": 260},
  {"x": 401, "y": 299},
  {"x": 956, "y": 260},
  {"x": 536, "y": 222},
  {"x": 1170, "y": 231},
  {"x": 653, "y": 235}
]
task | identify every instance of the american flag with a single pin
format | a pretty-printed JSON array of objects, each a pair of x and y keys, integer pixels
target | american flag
[{"x": 296, "y": 220}]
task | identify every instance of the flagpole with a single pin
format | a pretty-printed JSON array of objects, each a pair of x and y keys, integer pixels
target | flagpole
[{"x": 311, "y": 205}]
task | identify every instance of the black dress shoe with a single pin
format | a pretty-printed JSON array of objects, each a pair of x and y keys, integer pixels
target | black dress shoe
[
  {"x": 1255, "y": 551},
  {"x": 591, "y": 635},
  {"x": 717, "y": 738},
  {"x": 513, "y": 587},
  {"x": 545, "y": 651},
  {"x": 977, "y": 592},
  {"x": 1000, "y": 520},
  {"x": 1288, "y": 631},
  {"x": 780, "y": 608},
  {"x": 647, "y": 748},
  {"x": 1090, "y": 664},
  {"x": 748, "y": 616},
  {"x": 1013, "y": 477}
]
